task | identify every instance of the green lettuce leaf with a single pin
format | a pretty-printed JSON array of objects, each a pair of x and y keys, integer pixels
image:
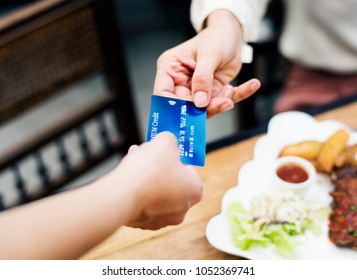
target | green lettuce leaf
[{"x": 246, "y": 234}]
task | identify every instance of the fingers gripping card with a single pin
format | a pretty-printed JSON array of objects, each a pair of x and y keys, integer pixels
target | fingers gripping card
[{"x": 185, "y": 121}]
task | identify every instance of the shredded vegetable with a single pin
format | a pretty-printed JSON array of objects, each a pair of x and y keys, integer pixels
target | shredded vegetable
[{"x": 274, "y": 219}]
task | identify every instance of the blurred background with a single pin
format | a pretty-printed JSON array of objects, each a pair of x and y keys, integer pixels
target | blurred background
[{"x": 148, "y": 27}]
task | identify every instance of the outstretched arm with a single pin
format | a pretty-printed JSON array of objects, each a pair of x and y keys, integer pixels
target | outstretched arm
[{"x": 149, "y": 189}]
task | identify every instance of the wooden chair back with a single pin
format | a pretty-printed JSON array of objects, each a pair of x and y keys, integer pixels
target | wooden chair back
[{"x": 46, "y": 48}]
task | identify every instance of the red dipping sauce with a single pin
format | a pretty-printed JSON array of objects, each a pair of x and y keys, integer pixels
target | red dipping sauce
[{"x": 292, "y": 173}]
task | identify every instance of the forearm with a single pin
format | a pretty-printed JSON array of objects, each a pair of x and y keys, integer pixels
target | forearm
[{"x": 64, "y": 226}]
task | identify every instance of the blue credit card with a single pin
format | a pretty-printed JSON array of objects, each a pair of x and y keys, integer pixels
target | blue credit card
[{"x": 185, "y": 121}]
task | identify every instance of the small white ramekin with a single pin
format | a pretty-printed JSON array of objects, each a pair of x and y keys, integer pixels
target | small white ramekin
[{"x": 296, "y": 187}]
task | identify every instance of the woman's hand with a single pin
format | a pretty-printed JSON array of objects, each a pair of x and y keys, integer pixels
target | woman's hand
[
  {"x": 201, "y": 68},
  {"x": 162, "y": 187}
]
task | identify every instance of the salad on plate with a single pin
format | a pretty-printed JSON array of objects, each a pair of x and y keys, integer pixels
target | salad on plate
[{"x": 274, "y": 218}]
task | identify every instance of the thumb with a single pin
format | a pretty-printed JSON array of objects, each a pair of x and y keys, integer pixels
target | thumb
[
  {"x": 132, "y": 148},
  {"x": 202, "y": 79},
  {"x": 166, "y": 145},
  {"x": 166, "y": 139}
]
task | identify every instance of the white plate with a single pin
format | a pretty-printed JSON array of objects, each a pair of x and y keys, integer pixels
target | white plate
[{"x": 255, "y": 178}]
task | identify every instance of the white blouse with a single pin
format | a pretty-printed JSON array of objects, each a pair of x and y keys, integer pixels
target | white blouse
[{"x": 317, "y": 33}]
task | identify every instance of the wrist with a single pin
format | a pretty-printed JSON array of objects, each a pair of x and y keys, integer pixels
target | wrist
[
  {"x": 119, "y": 195},
  {"x": 223, "y": 18}
]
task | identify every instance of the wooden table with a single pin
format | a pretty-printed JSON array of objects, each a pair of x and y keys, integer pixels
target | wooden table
[{"x": 188, "y": 240}]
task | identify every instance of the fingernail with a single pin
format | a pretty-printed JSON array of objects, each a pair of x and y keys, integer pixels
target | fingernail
[
  {"x": 254, "y": 86},
  {"x": 201, "y": 99},
  {"x": 226, "y": 107}
]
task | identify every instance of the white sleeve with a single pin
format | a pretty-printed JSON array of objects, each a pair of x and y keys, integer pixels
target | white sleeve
[{"x": 248, "y": 12}]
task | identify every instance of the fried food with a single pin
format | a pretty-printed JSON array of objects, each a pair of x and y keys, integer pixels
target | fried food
[
  {"x": 306, "y": 149},
  {"x": 348, "y": 157},
  {"x": 340, "y": 161},
  {"x": 332, "y": 149}
]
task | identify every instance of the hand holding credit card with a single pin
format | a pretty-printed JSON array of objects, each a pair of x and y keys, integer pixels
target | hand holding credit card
[{"x": 185, "y": 121}]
